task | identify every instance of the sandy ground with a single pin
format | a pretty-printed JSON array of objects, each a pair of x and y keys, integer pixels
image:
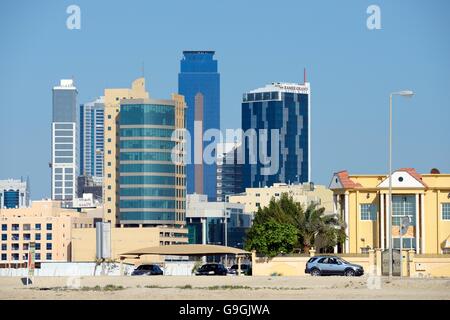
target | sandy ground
[{"x": 224, "y": 288}]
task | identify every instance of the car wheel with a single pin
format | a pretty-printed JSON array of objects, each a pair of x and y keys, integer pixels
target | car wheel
[
  {"x": 315, "y": 272},
  {"x": 350, "y": 273}
]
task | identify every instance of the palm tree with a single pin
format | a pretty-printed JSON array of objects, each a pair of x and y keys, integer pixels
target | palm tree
[
  {"x": 323, "y": 231},
  {"x": 316, "y": 229}
]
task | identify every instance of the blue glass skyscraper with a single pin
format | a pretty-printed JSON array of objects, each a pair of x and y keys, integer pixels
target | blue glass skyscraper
[
  {"x": 199, "y": 83},
  {"x": 284, "y": 107},
  {"x": 92, "y": 138}
]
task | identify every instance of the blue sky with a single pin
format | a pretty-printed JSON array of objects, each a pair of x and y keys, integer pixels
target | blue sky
[{"x": 352, "y": 70}]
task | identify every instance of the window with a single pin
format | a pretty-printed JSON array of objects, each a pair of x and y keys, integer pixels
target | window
[
  {"x": 15, "y": 257},
  {"x": 4, "y": 257},
  {"x": 49, "y": 226},
  {"x": 27, "y": 237},
  {"x": 49, "y": 246},
  {"x": 37, "y": 246},
  {"x": 15, "y": 227},
  {"x": 4, "y": 247},
  {"x": 48, "y": 256},
  {"x": 368, "y": 212},
  {"x": 26, "y": 227},
  {"x": 49, "y": 236},
  {"x": 37, "y": 256},
  {"x": 37, "y": 226},
  {"x": 15, "y": 236},
  {"x": 446, "y": 211},
  {"x": 4, "y": 227},
  {"x": 37, "y": 236},
  {"x": 4, "y": 237},
  {"x": 408, "y": 243},
  {"x": 257, "y": 194},
  {"x": 15, "y": 247}
]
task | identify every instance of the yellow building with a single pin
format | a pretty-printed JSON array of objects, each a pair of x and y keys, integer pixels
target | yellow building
[
  {"x": 46, "y": 224},
  {"x": 306, "y": 193},
  {"x": 363, "y": 202}
]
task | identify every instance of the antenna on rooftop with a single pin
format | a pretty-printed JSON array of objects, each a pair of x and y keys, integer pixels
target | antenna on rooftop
[{"x": 304, "y": 75}]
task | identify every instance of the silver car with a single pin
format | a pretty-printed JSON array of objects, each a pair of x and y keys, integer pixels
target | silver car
[{"x": 332, "y": 265}]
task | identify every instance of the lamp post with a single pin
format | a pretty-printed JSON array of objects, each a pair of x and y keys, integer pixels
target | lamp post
[{"x": 405, "y": 93}]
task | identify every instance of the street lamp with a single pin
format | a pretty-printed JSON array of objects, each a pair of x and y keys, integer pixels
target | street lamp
[{"x": 404, "y": 93}]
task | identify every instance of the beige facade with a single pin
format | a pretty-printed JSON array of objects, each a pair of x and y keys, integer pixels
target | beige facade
[
  {"x": 46, "y": 224},
  {"x": 124, "y": 240},
  {"x": 302, "y": 193},
  {"x": 111, "y": 174},
  {"x": 363, "y": 203}
]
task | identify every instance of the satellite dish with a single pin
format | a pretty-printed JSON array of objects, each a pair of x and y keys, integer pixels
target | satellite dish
[{"x": 406, "y": 221}]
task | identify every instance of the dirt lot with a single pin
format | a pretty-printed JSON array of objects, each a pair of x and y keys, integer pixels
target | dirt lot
[{"x": 230, "y": 287}]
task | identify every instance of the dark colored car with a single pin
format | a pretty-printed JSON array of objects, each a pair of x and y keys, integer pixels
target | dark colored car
[
  {"x": 332, "y": 265},
  {"x": 245, "y": 269},
  {"x": 212, "y": 269},
  {"x": 147, "y": 270}
]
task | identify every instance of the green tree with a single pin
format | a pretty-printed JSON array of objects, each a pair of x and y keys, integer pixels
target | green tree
[
  {"x": 313, "y": 227},
  {"x": 271, "y": 238}
]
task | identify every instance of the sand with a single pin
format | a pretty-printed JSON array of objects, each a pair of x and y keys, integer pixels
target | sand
[{"x": 224, "y": 288}]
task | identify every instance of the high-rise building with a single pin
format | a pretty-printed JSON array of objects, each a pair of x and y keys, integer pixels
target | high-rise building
[
  {"x": 14, "y": 194},
  {"x": 143, "y": 186},
  {"x": 199, "y": 83},
  {"x": 282, "y": 108},
  {"x": 152, "y": 185},
  {"x": 112, "y": 98},
  {"x": 229, "y": 170},
  {"x": 92, "y": 138},
  {"x": 64, "y": 162}
]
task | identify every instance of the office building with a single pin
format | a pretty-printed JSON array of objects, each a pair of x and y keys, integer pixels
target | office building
[
  {"x": 284, "y": 108},
  {"x": 305, "y": 194},
  {"x": 229, "y": 171},
  {"x": 92, "y": 138},
  {"x": 14, "y": 193},
  {"x": 112, "y": 98},
  {"x": 362, "y": 201},
  {"x": 199, "y": 83},
  {"x": 144, "y": 188},
  {"x": 152, "y": 186},
  {"x": 218, "y": 223},
  {"x": 64, "y": 163}
]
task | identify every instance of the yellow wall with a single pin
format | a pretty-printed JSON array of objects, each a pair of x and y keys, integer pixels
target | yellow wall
[{"x": 122, "y": 240}]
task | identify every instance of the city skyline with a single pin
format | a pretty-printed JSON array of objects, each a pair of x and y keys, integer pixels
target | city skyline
[{"x": 352, "y": 71}]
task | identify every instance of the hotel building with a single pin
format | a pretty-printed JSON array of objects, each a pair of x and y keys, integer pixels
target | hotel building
[{"x": 285, "y": 108}]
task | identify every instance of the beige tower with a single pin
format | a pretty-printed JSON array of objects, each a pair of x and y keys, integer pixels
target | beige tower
[{"x": 111, "y": 175}]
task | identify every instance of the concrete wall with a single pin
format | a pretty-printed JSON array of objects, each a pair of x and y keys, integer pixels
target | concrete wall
[
  {"x": 295, "y": 265},
  {"x": 429, "y": 265},
  {"x": 78, "y": 269}
]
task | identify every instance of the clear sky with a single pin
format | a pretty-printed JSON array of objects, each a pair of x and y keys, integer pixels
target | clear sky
[{"x": 352, "y": 70}]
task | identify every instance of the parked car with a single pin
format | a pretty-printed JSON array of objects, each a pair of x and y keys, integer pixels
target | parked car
[
  {"x": 245, "y": 269},
  {"x": 332, "y": 265},
  {"x": 147, "y": 270},
  {"x": 212, "y": 269}
]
